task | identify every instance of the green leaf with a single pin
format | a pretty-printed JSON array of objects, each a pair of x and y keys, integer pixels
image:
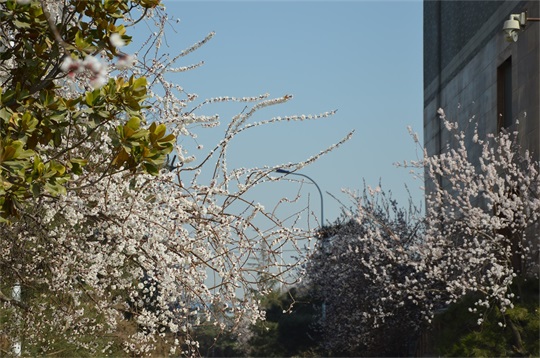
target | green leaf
[
  {"x": 141, "y": 133},
  {"x": 21, "y": 25},
  {"x": 91, "y": 97},
  {"x": 80, "y": 42},
  {"x": 5, "y": 113},
  {"x": 55, "y": 188},
  {"x": 76, "y": 165},
  {"x": 134, "y": 123},
  {"x": 151, "y": 168},
  {"x": 57, "y": 167},
  {"x": 159, "y": 131},
  {"x": 140, "y": 84},
  {"x": 29, "y": 123},
  {"x": 81, "y": 162}
]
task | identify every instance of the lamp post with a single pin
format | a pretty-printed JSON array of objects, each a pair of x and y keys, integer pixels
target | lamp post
[
  {"x": 16, "y": 347},
  {"x": 286, "y": 172}
]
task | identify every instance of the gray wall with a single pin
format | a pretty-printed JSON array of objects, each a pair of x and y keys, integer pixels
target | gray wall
[{"x": 463, "y": 46}]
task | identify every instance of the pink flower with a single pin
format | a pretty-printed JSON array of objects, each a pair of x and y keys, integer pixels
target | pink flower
[
  {"x": 71, "y": 66},
  {"x": 92, "y": 64}
]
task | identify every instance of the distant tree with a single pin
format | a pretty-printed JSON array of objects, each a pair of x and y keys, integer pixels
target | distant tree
[
  {"x": 289, "y": 329},
  {"x": 290, "y": 326},
  {"x": 214, "y": 341},
  {"x": 353, "y": 271}
]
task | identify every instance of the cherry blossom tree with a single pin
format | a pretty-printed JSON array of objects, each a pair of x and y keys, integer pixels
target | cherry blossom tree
[
  {"x": 110, "y": 227},
  {"x": 479, "y": 240},
  {"x": 355, "y": 270},
  {"x": 482, "y": 221}
]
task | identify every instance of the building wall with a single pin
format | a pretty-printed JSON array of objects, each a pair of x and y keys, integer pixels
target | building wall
[
  {"x": 464, "y": 48},
  {"x": 464, "y": 45}
]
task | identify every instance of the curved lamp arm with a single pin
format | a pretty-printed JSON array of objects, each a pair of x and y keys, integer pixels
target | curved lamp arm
[{"x": 286, "y": 172}]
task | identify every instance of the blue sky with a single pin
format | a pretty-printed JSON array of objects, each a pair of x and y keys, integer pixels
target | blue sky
[{"x": 363, "y": 58}]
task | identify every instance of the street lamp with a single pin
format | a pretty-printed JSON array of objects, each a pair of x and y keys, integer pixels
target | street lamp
[
  {"x": 286, "y": 172},
  {"x": 16, "y": 347}
]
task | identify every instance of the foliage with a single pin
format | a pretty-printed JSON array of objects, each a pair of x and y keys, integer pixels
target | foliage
[
  {"x": 289, "y": 329},
  {"x": 298, "y": 329},
  {"x": 216, "y": 342},
  {"x": 111, "y": 241},
  {"x": 354, "y": 269},
  {"x": 43, "y": 129},
  {"x": 457, "y": 333}
]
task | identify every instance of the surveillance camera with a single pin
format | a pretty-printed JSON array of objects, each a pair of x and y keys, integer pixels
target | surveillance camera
[
  {"x": 512, "y": 26},
  {"x": 511, "y": 35}
]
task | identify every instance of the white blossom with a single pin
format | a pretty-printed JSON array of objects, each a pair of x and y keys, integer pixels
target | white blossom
[
  {"x": 125, "y": 61},
  {"x": 479, "y": 235},
  {"x": 171, "y": 249},
  {"x": 116, "y": 40}
]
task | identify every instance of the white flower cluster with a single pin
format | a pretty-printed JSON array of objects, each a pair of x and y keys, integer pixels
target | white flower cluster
[
  {"x": 396, "y": 268},
  {"x": 97, "y": 71},
  {"x": 124, "y": 61},
  {"x": 163, "y": 253}
]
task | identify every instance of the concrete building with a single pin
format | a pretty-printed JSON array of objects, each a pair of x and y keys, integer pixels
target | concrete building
[
  {"x": 479, "y": 77},
  {"x": 472, "y": 71}
]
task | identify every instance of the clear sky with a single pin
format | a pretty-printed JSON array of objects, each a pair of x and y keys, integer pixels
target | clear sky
[{"x": 363, "y": 58}]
